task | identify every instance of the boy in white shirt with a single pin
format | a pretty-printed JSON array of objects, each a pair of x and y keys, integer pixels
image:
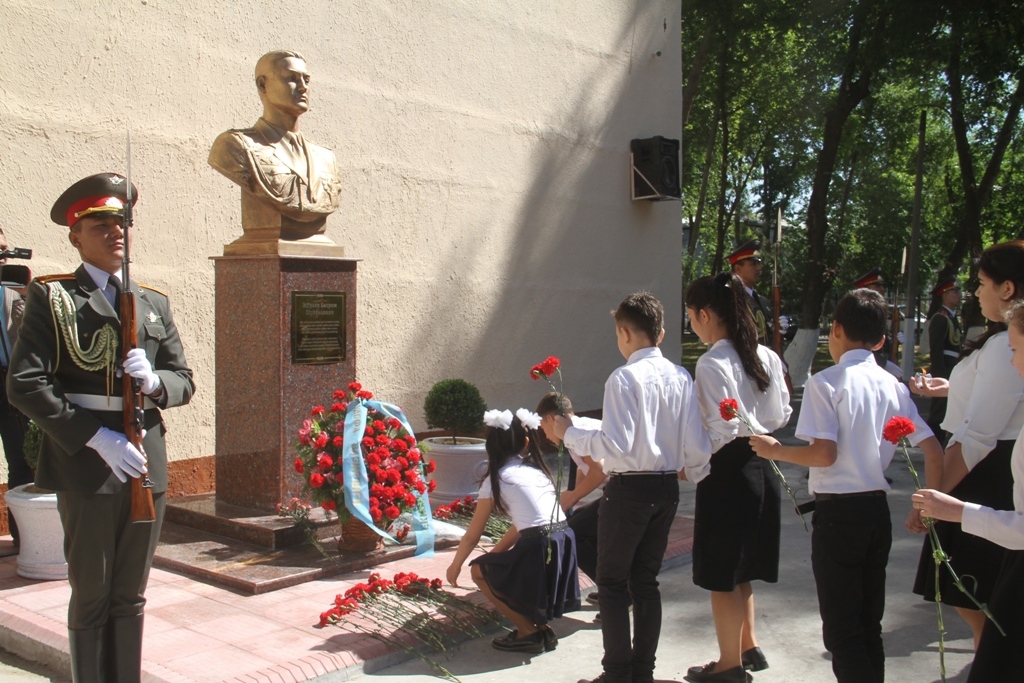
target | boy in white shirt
[
  {"x": 651, "y": 428},
  {"x": 845, "y": 408}
]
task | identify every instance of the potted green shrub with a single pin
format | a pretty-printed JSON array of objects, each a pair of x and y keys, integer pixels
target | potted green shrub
[
  {"x": 455, "y": 406},
  {"x": 41, "y": 554}
]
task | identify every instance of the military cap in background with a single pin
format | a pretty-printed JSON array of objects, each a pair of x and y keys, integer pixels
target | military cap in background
[
  {"x": 944, "y": 285},
  {"x": 872, "y": 277},
  {"x": 748, "y": 250},
  {"x": 100, "y": 193}
]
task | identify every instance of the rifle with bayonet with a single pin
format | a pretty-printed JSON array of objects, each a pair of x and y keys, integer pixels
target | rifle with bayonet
[
  {"x": 133, "y": 412},
  {"x": 777, "y": 303}
]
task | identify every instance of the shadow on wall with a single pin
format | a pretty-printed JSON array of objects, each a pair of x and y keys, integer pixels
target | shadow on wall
[{"x": 579, "y": 244}]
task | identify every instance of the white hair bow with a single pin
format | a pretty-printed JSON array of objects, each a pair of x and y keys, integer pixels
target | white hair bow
[
  {"x": 530, "y": 419},
  {"x": 502, "y": 419}
]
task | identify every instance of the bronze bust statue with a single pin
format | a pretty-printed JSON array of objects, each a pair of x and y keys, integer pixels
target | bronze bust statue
[{"x": 289, "y": 185}]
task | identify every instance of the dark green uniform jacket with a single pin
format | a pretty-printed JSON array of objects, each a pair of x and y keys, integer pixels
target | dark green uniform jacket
[{"x": 43, "y": 373}]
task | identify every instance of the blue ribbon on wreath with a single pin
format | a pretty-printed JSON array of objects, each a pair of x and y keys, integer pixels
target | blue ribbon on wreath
[{"x": 357, "y": 489}]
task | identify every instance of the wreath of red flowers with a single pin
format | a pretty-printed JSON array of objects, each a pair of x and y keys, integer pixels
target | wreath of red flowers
[{"x": 395, "y": 467}]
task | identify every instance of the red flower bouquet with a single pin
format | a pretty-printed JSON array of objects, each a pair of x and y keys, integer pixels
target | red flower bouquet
[{"x": 395, "y": 467}]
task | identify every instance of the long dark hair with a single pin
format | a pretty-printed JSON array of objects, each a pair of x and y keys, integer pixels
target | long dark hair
[
  {"x": 503, "y": 444},
  {"x": 1000, "y": 262},
  {"x": 725, "y": 296}
]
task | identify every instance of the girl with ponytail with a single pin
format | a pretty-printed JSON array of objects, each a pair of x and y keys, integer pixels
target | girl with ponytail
[
  {"x": 737, "y": 516},
  {"x": 530, "y": 575}
]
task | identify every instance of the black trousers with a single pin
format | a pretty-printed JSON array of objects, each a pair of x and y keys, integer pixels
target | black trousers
[
  {"x": 849, "y": 552},
  {"x": 13, "y": 426},
  {"x": 583, "y": 522},
  {"x": 635, "y": 518},
  {"x": 108, "y": 555}
]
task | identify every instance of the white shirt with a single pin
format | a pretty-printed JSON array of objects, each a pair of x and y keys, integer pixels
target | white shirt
[
  {"x": 850, "y": 403},
  {"x": 986, "y": 400},
  {"x": 101, "y": 278},
  {"x": 1005, "y": 527},
  {"x": 720, "y": 375},
  {"x": 651, "y": 421},
  {"x": 527, "y": 494},
  {"x": 577, "y": 457}
]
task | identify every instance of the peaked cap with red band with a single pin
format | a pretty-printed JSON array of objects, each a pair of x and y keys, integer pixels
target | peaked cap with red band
[
  {"x": 945, "y": 285},
  {"x": 872, "y": 277},
  {"x": 103, "y": 193},
  {"x": 749, "y": 250}
]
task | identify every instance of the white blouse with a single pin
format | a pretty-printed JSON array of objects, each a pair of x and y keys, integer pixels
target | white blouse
[
  {"x": 720, "y": 375},
  {"x": 527, "y": 493},
  {"x": 1005, "y": 527},
  {"x": 986, "y": 400}
]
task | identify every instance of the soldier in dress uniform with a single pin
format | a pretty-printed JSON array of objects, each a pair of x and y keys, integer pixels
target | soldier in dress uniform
[
  {"x": 873, "y": 280},
  {"x": 944, "y": 338},
  {"x": 63, "y": 375},
  {"x": 746, "y": 264}
]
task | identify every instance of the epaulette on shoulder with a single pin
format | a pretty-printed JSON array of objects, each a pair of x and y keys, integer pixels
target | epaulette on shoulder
[
  {"x": 46, "y": 279},
  {"x": 153, "y": 289}
]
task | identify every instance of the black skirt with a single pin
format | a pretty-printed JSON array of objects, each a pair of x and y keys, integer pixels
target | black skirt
[
  {"x": 998, "y": 655},
  {"x": 736, "y": 520},
  {"x": 531, "y": 582},
  {"x": 974, "y": 559}
]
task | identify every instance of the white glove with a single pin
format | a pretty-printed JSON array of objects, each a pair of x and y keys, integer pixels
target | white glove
[
  {"x": 900, "y": 337},
  {"x": 137, "y": 365},
  {"x": 123, "y": 458}
]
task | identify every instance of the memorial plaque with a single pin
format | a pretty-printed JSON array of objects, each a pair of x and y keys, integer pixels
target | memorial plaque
[{"x": 318, "y": 327}]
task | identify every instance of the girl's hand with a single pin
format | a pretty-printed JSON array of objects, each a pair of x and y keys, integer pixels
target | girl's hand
[
  {"x": 453, "y": 574},
  {"x": 931, "y": 503},
  {"x": 914, "y": 524},
  {"x": 764, "y": 446},
  {"x": 932, "y": 387}
]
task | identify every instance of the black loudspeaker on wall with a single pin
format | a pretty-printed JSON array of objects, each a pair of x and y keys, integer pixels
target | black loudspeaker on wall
[{"x": 655, "y": 169}]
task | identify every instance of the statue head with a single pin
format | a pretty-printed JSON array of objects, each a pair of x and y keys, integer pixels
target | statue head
[{"x": 283, "y": 84}]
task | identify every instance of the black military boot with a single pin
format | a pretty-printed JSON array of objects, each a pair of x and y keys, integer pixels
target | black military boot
[
  {"x": 87, "y": 655},
  {"x": 124, "y": 655}
]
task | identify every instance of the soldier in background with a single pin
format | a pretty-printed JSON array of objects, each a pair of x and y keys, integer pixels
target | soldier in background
[
  {"x": 944, "y": 338},
  {"x": 746, "y": 265}
]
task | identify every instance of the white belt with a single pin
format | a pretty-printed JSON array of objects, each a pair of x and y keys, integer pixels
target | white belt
[
  {"x": 955, "y": 354},
  {"x": 102, "y": 403}
]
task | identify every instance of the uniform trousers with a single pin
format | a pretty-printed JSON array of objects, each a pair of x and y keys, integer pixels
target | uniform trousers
[
  {"x": 635, "y": 518},
  {"x": 108, "y": 555},
  {"x": 850, "y": 546}
]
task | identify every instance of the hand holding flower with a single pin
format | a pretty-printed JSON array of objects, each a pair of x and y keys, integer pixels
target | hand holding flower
[
  {"x": 915, "y": 524},
  {"x": 765, "y": 446},
  {"x": 938, "y": 505}
]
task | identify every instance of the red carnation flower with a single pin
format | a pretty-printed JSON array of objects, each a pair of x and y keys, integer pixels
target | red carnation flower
[
  {"x": 545, "y": 369},
  {"x": 394, "y": 423},
  {"x": 354, "y": 386},
  {"x": 372, "y": 458},
  {"x": 431, "y": 466},
  {"x": 384, "y": 439},
  {"x": 411, "y": 440},
  {"x": 392, "y": 511},
  {"x": 897, "y": 428},
  {"x": 338, "y": 442},
  {"x": 729, "y": 408},
  {"x": 414, "y": 455},
  {"x": 410, "y": 500},
  {"x": 298, "y": 465},
  {"x": 364, "y": 394},
  {"x": 316, "y": 480},
  {"x": 340, "y": 394},
  {"x": 400, "y": 445},
  {"x": 368, "y": 442},
  {"x": 368, "y": 431},
  {"x": 376, "y": 514},
  {"x": 379, "y": 425},
  {"x": 394, "y": 476},
  {"x": 337, "y": 407},
  {"x": 318, "y": 411},
  {"x": 321, "y": 440},
  {"x": 329, "y": 505},
  {"x": 324, "y": 462},
  {"x": 431, "y": 485},
  {"x": 403, "y": 463},
  {"x": 420, "y": 486},
  {"x": 376, "y": 489}
]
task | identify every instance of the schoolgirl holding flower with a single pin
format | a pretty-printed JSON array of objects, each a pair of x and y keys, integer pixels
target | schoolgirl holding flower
[
  {"x": 984, "y": 414},
  {"x": 530, "y": 575},
  {"x": 737, "y": 524}
]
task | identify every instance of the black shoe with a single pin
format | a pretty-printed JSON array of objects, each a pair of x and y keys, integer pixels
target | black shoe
[
  {"x": 550, "y": 639},
  {"x": 698, "y": 674},
  {"x": 532, "y": 644},
  {"x": 753, "y": 660}
]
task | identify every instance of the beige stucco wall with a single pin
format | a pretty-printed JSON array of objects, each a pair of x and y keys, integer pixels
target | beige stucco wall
[{"x": 483, "y": 147}]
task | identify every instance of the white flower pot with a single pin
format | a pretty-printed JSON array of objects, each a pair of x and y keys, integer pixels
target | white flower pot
[
  {"x": 41, "y": 555},
  {"x": 460, "y": 467}
]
